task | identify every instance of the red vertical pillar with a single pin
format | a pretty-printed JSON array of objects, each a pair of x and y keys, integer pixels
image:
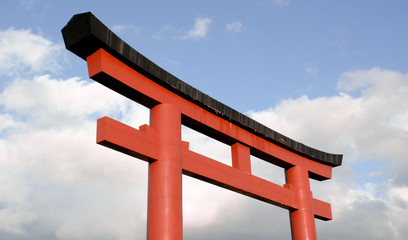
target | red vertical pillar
[
  {"x": 302, "y": 221},
  {"x": 165, "y": 218}
]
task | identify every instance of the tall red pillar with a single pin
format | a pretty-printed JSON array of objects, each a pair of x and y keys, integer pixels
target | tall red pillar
[
  {"x": 301, "y": 220},
  {"x": 165, "y": 219}
]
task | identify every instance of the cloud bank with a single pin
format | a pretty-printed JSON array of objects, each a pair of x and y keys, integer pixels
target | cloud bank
[{"x": 24, "y": 51}]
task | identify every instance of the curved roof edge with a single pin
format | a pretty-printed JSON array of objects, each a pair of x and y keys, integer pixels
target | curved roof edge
[{"x": 84, "y": 34}]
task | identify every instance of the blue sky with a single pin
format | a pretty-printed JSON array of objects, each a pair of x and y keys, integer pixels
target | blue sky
[
  {"x": 283, "y": 50},
  {"x": 331, "y": 74}
]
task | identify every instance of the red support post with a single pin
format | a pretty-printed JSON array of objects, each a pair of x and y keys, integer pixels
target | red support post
[
  {"x": 241, "y": 157},
  {"x": 165, "y": 219},
  {"x": 301, "y": 220}
]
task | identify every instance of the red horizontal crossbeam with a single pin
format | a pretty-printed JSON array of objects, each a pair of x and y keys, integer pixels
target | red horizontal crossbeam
[{"x": 143, "y": 144}]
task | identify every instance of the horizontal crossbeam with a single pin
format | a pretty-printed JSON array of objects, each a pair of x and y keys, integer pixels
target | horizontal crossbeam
[
  {"x": 143, "y": 145},
  {"x": 140, "y": 143}
]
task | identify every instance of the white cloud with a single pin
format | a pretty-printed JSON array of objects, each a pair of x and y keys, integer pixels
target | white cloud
[
  {"x": 53, "y": 176},
  {"x": 234, "y": 27},
  {"x": 122, "y": 28},
  {"x": 166, "y": 31},
  {"x": 8, "y": 122},
  {"x": 13, "y": 221},
  {"x": 200, "y": 29},
  {"x": 23, "y": 50},
  {"x": 372, "y": 119},
  {"x": 368, "y": 126},
  {"x": 56, "y": 101}
]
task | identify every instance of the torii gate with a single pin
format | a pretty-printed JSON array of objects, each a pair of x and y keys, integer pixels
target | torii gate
[{"x": 119, "y": 67}]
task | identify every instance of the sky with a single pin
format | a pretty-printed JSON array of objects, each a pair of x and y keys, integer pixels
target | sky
[{"x": 330, "y": 74}]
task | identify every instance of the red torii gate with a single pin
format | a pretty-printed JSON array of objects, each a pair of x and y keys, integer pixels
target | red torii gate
[{"x": 116, "y": 65}]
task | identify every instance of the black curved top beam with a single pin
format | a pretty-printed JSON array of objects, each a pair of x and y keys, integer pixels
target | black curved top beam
[{"x": 84, "y": 34}]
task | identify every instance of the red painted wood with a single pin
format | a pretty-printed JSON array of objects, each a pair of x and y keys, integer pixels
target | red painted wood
[
  {"x": 241, "y": 157},
  {"x": 164, "y": 211},
  {"x": 302, "y": 219}
]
